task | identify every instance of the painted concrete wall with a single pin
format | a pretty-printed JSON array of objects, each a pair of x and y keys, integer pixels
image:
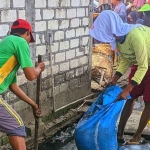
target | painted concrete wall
[{"x": 61, "y": 30}]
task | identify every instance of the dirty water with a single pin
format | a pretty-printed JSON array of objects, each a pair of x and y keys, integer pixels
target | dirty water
[
  {"x": 63, "y": 140},
  {"x": 136, "y": 147}
]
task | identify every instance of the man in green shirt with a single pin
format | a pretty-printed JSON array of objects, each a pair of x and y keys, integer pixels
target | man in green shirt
[
  {"x": 133, "y": 45},
  {"x": 14, "y": 53}
]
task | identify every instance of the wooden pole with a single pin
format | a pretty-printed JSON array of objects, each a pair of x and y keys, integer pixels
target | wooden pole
[{"x": 38, "y": 91}]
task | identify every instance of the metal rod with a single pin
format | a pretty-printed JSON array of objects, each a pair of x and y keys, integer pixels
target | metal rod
[
  {"x": 74, "y": 102},
  {"x": 38, "y": 92},
  {"x": 50, "y": 42}
]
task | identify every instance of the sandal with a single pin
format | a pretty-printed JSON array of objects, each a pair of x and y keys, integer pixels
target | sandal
[{"x": 142, "y": 141}]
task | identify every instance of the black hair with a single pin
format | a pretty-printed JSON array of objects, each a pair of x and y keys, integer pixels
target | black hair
[
  {"x": 19, "y": 31},
  {"x": 146, "y": 18}
]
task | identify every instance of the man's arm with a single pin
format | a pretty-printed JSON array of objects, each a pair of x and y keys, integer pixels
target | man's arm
[
  {"x": 18, "y": 92},
  {"x": 32, "y": 73},
  {"x": 124, "y": 64}
]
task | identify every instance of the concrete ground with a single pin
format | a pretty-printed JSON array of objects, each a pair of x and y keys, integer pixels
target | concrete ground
[
  {"x": 131, "y": 127},
  {"x": 132, "y": 123}
]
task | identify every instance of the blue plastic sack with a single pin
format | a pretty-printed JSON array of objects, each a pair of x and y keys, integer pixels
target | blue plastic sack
[{"x": 97, "y": 128}]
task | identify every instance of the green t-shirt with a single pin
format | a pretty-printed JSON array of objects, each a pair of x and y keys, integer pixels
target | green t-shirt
[
  {"x": 14, "y": 53},
  {"x": 135, "y": 50}
]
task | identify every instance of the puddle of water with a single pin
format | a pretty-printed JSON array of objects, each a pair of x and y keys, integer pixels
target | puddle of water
[
  {"x": 60, "y": 140},
  {"x": 136, "y": 147}
]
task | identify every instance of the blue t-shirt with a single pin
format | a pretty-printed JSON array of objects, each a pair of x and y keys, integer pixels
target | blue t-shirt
[{"x": 120, "y": 9}]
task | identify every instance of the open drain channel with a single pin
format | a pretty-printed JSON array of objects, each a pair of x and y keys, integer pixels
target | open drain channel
[
  {"x": 64, "y": 140},
  {"x": 61, "y": 140}
]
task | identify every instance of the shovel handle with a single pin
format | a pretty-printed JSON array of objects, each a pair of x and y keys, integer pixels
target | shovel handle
[
  {"x": 38, "y": 91},
  {"x": 38, "y": 84}
]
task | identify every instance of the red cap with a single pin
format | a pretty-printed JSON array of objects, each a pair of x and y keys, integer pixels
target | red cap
[{"x": 25, "y": 25}]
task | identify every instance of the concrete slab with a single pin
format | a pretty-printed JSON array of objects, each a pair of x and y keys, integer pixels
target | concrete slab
[{"x": 133, "y": 123}]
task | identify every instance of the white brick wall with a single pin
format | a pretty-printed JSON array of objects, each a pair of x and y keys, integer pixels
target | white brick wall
[
  {"x": 40, "y": 3},
  {"x": 59, "y": 57},
  {"x": 87, "y": 50},
  {"x": 74, "y": 22},
  {"x": 83, "y": 60},
  {"x": 54, "y": 47},
  {"x": 70, "y": 33},
  {"x": 85, "y": 2},
  {"x": 70, "y": 54},
  {"x": 71, "y": 13},
  {"x": 87, "y": 12},
  {"x": 55, "y": 69},
  {"x": 53, "y": 3},
  {"x": 46, "y": 72},
  {"x": 80, "y": 12},
  {"x": 38, "y": 40},
  {"x": 59, "y": 35},
  {"x": 4, "y": 29},
  {"x": 48, "y": 14},
  {"x": 86, "y": 31},
  {"x": 74, "y": 43},
  {"x": 4, "y": 3},
  {"x": 79, "y": 52},
  {"x": 68, "y": 21},
  {"x": 20, "y": 105},
  {"x": 74, "y": 63},
  {"x": 38, "y": 14},
  {"x": 41, "y": 50},
  {"x": 21, "y": 14},
  {"x": 8, "y": 15},
  {"x": 60, "y": 13},
  {"x": 63, "y": 24},
  {"x": 64, "y": 45},
  {"x": 63, "y": 87},
  {"x": 20, "y": 3},
  {"x": 85, "y": 21},
  {"x": 64, "y": 66},
  {"x": 79, "y": 71},
  {"x": 86, "y": 68},
  {"x": 65, "y": 3},
  {"x": 53, "y": 24},
  {"x": 75, "y": 3},
  {"x": 40, "y": 26},
  {"x": 85, "y": 41},
  {"x": 79, "y": 32},
  {"x": 43, "y": 39}
]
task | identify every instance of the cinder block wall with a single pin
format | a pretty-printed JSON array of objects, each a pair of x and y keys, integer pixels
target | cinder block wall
[{"x": 62, "y": 38}]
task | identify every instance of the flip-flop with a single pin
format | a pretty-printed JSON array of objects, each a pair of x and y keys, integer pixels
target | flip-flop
[{"x": 142, "y": 141}]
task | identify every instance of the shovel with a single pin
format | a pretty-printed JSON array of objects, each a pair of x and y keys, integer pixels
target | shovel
[{"x": 38, "y": 91}]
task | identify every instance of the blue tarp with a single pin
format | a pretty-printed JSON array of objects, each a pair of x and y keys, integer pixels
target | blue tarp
[{"x": 97, "y": 128}]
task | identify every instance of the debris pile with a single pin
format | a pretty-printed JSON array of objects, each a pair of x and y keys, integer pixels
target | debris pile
[{"x": 102, "y": 65}]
